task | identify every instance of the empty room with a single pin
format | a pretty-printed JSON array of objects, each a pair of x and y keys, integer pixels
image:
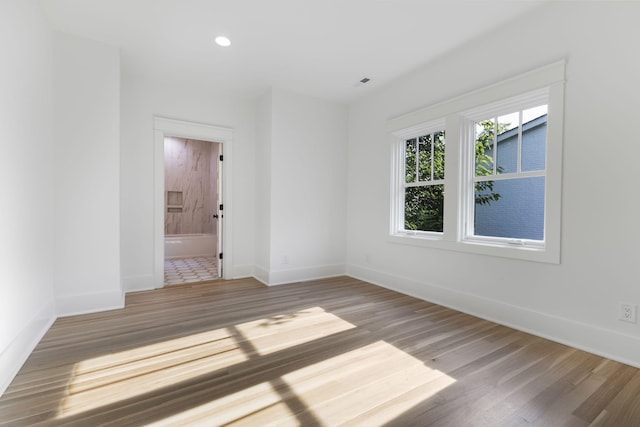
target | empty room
[{"x": 319, "y": 213}]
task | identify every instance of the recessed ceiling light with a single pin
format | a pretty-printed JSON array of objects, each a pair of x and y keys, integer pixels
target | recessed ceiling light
[{"x": 223, "y": 41}]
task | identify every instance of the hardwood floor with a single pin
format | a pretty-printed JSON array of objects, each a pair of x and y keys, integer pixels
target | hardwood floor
[{"x": 327, "y": 352}]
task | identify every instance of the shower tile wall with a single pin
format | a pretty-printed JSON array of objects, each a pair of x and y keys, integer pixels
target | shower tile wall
[{"x": 190, "y": 173}]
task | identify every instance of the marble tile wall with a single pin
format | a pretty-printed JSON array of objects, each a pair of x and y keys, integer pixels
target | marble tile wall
[{"x": 190, "y": 169}]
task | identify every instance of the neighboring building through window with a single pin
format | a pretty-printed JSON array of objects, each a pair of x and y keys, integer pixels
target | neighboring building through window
[{"x": 510, "y": 175}]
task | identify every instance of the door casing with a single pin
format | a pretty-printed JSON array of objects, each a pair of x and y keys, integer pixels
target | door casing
[{"x": 164, "y": 127}]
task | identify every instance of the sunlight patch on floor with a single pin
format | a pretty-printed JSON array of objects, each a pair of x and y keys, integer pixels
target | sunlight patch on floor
[
  {"x": 259, "y": 399},
  {"x": 108, "y": 379},
  {"x": 112, "y": 378},
  {"x": 375, "y": 381},
  {"x": 344, "y": 386},
  {"x": 288, "y": 330},
  {"x": 145, "y": 352}
]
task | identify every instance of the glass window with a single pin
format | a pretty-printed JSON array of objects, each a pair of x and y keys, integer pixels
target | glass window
[
  {"x": 501, "y": 194},
  {"x": 509, "y": 182},
  {"x": 424, "y": 183}
]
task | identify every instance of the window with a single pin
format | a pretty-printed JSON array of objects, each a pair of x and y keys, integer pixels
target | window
[
  {"x": 508, "y": 189},
  {"x": 424, "y": 183},
  {"x": 503, "y": 158}
]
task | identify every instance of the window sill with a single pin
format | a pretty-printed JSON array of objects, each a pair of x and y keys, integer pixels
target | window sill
[{"x": 493, "y": 249}]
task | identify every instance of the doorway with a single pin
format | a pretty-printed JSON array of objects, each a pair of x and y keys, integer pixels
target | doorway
[
  {"x": 222, "y": 138},
  {"x": 192, "y": 210}
]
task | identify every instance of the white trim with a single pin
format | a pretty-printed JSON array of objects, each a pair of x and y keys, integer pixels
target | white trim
[
  {"x": 548, "y": 75},
  {"x": 524, "y": 253},
  {"x": 492, "y": 112},
  {"x": 398, "y": 174},
  {"x": 510, "y": 175},
  {"x": 164, "y": 127},
  {"x": 553, "y": 166},
  {"x": 261, "y": 274},
  {"x": 543, "y": 251},
  {"x": 72, "y": 305},
  {"x": 243, "y": 271},
  {"x": 396, "y": 195},
  {"x": 138, "y": 283},
  {"x": 544, "y": 85},
  {"x": 420, "y": 129},
  {"x": 521, "y": 101},
  {"x": 593, "y": 339},
  {"x": 424, "y": 183},
  {"x": 20, "y": 348},
  {"x": 282, "y": 277}
]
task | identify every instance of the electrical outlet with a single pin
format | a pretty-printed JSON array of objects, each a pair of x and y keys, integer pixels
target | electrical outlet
[
  {"x": 627, "y": 312},
  {"x": 285, "y": 259}
]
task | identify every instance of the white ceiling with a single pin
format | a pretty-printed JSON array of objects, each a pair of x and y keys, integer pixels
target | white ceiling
[{"x": 317, "y": 47}]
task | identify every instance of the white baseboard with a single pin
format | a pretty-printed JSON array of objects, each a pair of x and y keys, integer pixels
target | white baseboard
[
  {"x": 242, "y": 271},
  {"x": 89, "y": 303},
  {"x": 261, "y": 274},
  {"x": 138, "y": 283},
  {"x": 593, "y": 339},
  {"x": 13, "y": 357},
  {"x": 280, "y": 277}
]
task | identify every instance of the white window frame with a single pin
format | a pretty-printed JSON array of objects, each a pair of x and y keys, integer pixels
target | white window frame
[
  {"x": 519, "y": 103},
  {"x": 520, "y": 92},
  {"x": 400, "y": 184}
]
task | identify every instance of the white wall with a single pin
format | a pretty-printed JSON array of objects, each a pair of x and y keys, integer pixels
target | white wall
[
  {"x": 306, "y": 187},
  {"x": 27, "y": 306},
  {"x": 86, "y": 206},
  {"x": 574, "y": 302},
  {"x": 141, "y": 100},
  {"x": 262, "y": 254}
]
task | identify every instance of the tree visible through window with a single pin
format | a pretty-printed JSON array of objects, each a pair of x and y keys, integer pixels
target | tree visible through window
[
  {"x": 424, "y": 182},
  {"x": 424, "y": 177}
]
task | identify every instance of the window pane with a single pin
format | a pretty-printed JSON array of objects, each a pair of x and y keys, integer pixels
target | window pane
[
  {"x": 424, "y": 151},
  {"x": 484, "y": 147},
  {"x": 438, "y": 155},
  {"x": 534, "y": 113},
  {"x": 410, "y": 160},
  {"x": 507, "y": 152},
  {"x": 534, "y": 138},
  {"x": 423, "y": 208},
  {"x": 512, "y": 208}
]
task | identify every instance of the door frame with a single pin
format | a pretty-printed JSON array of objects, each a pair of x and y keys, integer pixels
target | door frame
[
  {"x": 220, "y": 212},
  {"x": 164, "y": 127}
]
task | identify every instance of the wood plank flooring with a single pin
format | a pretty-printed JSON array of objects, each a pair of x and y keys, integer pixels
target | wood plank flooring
[{"x": 321, "y": 353}]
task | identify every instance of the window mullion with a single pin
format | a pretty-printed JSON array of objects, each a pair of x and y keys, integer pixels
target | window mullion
[
  {"x": 432, "y": 155},
  {"x": 495, "y": 145},
  {"x": 470, "y": 179},
  {"x": 502, "y": 177},
  {"x": 417, "y": 159},
  {"x": 399, "y": 163},
  {"x": 519, "y": 160},
  {"x": 424, "y": 183}
]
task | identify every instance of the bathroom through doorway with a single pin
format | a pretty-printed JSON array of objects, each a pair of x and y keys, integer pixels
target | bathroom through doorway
[{"x": 192, "y": 210}]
